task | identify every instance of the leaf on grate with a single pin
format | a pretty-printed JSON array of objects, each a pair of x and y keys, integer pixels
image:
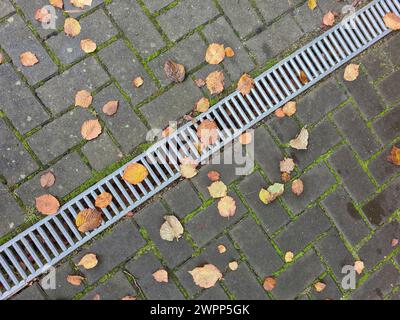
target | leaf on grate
[
  {"x": 57, "y": 3},
  {"x": 297, "y": 187},
  {"x": 215, "y": 82},
  {"x": 269, "y": 283},
  {"x": 301, "y": 141},
  {"x": 319, "y": 286},
  {"x": 271, "y": 193},
  {"x": 289, "y": 108},
  {"x": 174, "y": 71},
  {"x": 28, "y": 59},
  {"x": 202, "y": 105},
  {"x": 359, "y": 266},
  {"x": 286, "y": 165},
  {"x": 303, "y": 77},
  {"x": 171, "y": 229},
  {"x": 213, "y": 175},
  {"x": 289, "y": 256},
  {"x": 88, "y": 261},
  {"x": 279, "y": 113},
  {"x": 329, "y": 19},
  {"x": 245, "y": 84},
  {"x": 207, "y": 132},
  {"x": 111, "y": 107},
  {"x": 72, "y": 27},
  {"x": 206, "y": 276},
  {"x": 135, "y": 173},
  {"x": 217, "y": 189},
  {"x": 91, "y": 129},
  {"x": 392, "y": 21},
  {"x": 312, "y": 4},
  {"x": 394, "y": 156},
  {"x": 245, "y": 138},
  {"x": 47, "y": 179},
  {"x": 81, "y": 3},
  {"x": 83, "y": 99},
  {"x": 188, "y": 170},
  {"x": 47, "y": 204},
  {"x": 88, "y": 45},
  {"x": 215, "y": 53},
  {"x": 75, "y": 280},
  {"x": 227, "y": 207},
  {"x": 88, "y": 219},
  {"x": 351, "y": 72},
  {"x": 161, "y": 276},
  {"x": 229, "y": 52},
  {"x": 103, "y": 200},
  {"x": 137, "y": 82}
]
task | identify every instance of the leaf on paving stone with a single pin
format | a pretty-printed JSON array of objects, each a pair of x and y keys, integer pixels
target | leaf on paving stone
[
  {"x": 301, "y": 141},
  {"x": 88, "y": 261},
  {"x": 221, "y": 248},
  {"x": 111, "y": 107},
  {"x": 91, "y": 129},
  {"x": 88, "y": 45},
  {"x": 161, "y": 276},
  {"x": 135, "y": 173},
  {"x": 233, "y": 265},
  {"x": 394, "y": 156},
  {"x": 289, "y": 256},
  {"x": 329, "y": 19},
  {"x": 72, "y": 27},
  {"x": 269, "y": 283},
  {"x": 271, "y": 193},
  {"x": 285, "y": 177},
  {"x": 83, "y": 99},
  {"x": 128, "y": 298},
  {"x": 312, "y": 4},
  {"x": 81, "y": 3},
  {"x": 245, "y": 84},
  {"x": 47, "y": 204},
  {"x": 227, "y": 207},
  {"x": 57, "y": 3},
  {"x": 42, "y": 15},
  {"x": 217, "y": 189},
  {"x": 351, "y": 72},
  {"x": 206, "y": 276},
  {"x": 303, "y": 77},
  {"x": 286, "y": 165},
  {"x": 245, "y": 138},
  {"x": 137, "y": 82},
  {"x": 1, "y": 58},
  {"x": 215, "y": 53},
  {"x": 319, "y": 286},
  {"x": 75, "y": 280},
  {"x": 392, "y": 21},
  {"x": 171, "y": 229},
  {"x": 96, "y": 297},
  {"x": 394, "y": 242},
  {"x": 289, "y": 108},
  {"x": 215, "y": 82},
  {"x": 297, "y": 187},
  {"x": 174, "y": 71},
  {"x": 88, "y": 219},
  {"x": 188, "y": 170},
  {"x": 103, "y": 200},
  {"x": 202, "y": 105},
  {"x": 279, "y": 113},
  {"x": 229, "y": 52},
  {"x": 28, "y": 59},
  {"x": 200, "y": 83},
  {"x": 47, "y": 179},
  {"x": 207, "y": 132},
  {"x": 213, "y": 175},
  {"x": 359, "y": 266}
]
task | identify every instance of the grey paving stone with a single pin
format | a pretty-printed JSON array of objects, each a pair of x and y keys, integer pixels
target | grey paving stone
[
  {"x": 5, "y": 8},
  {"x": 220, "y": 32},
  {"x": 95, "y": 26},
  {"x": 18, "y": 102},
  {"x": 284, "y": 128},
  {"x": 382, "y": 169},
  {"x": 388, "y": 127},
  {"x": 16, "y": 38},
  {"x": 318, "y": 176},
  {"x": 384, "y": 204},
  {"x": 248, "y": 235},
  {"x": 182, "y": 199},
  {"x": 76, "y": 12},
  {"x": 345, "y": 216},
  {"x": 59, "y": 92},
  {"x": 331, "y": 291},
  {"x": 186, "y": 16},
  {"x": 356, "y": 131},
  {"x": 11, "y": 215},
  {"x": 333, "y": 5},
  {"x": 272, "y": 9},
  {"x": 242, "y": 15},
  {"x": 172, "y": 105},
  {"x": 214, "y": 293},
  {"x": 210, "y": 254},
  {"x": 70, "y": 172},
  {"x": 275, "y": 39},
  {"x": 272, "y": 216},
  {"x": 189, "y": 52},
  {"x": 378, "y": 285},
  {"x": 151, "y": 218},
  {"x": 376, "y": 64},
  {"x": 60, "y": 135},
  {"x": 15, "y": 161},
  {"x": 125, "y": 67},
  {"x": 365, "y": 95},
  {"x": 243, "y": 284},
  {"x": 111, "y": 250},
  {"x": 304, "y": 230},
  {"x": 142, "y": 269},
  {"x": 319, "y": 101},
  {"x": 136, "y": 26},
  {"x": 354, "y": 178},
  {"x": 309, "y": 20},
  {"x": 298, "y": 276},
  {"x": 33, "y": 292},
  {"x": 155, "y": 5},
  {"x": 113, "y": 289},
  {"x": 125, "y": 125},
  {"x": 392, "y": 47},
  {"x": 389, "y": 87},
  {"x": 208, "y": 223}
]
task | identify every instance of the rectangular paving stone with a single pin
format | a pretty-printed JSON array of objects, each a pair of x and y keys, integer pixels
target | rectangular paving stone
[
  {"x": 186, "y": 16},
  {"x": 331, "y": 291},
  {"x": 388, "y": 126},
  {"x": 5, "y": 8},
  {"x": 333, "y": 5},
  {"x": 275, "y": 39},
  {"x": 111, "y": 250},
  {"x": 354, "y": 178},
  {"x": 355, "y": 130},
  {"x": 16, "y": 38},
  {"x": 95, "y": 26},
  {"x": 214, "y": 293},
  {"x": 15, "y": 161},
  {"x": 309, "y": 20},
  {"x": 382, "y": 169},
  {"x": 346, "y": 217},
  {"x": 142, "y": 269},
  {"x": 248, "y": 235},
  {"x": 151, "y": 218},
  {"x": 18, "y": 102},
  {"x": 284, "y": 128},
  {"x": 376, "y": 64},
  {"x": 155, "y": 5},
  {"x": 136, "y": 26},
  {"x": 70, "y": 172},
  {"x": 389, "y": 87},
  {"x": 11, "y": 215},
  {"x": 59, "y": 92},
  {"x": 124, "y": 67},
  {"x": 124, "y": 125},
  {"x": 298, "y": 276},
  {"x": 32, "y": 292},
  {"x": 298, "y": 234},
  {"x": 60, "y": 135},
  {"x": 272, "y": 9},
  {"x": 392, "y": 49}
]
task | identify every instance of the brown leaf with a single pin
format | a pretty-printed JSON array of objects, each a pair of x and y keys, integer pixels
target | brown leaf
[
  {"x": 206, "y": 276},
  {"x": 394, "y": 242},
  {"x": 245, "y": 84},
  {"x": 88, "y": 261},
  {"x": 286, "y": 165},
  {"x": 83, "y": 99},
  {"x": 215, "y": 53},
  {"x": 207, "y": 132},
  {"x": 171, "y": 229},
  {"x": 229, "y": 52},
  {"x": 394, "y": 156},
  {"x": 47, "y": 204},
  {"x": 221, "y": 248},
  {"x": 285, "y": 177},
  {"x": 57, "y": 3},
  {"x": 279, "y": 113},
  {"x": 88, "y": 45},
  {"x": 135, "y": 173},
  {"x": 200, "y": 82},
  {"x": 227, "y": 207},
  {"x": 103, "y": 200},
  {"x": 28, "y": 59},
  {"x": 213, "y": 175},
  {"x": 301, "y": 141},
  {"x": 289, "y": 108},
  {"x": 297, "y": 187},
  {"x": 174, "y": 71},
  {"x": 319, "y": 286},
  {"x": 359, "y": 266},
  {"x": 217, "y": 189},
  {"x": 88, "y": 219},
  {"x": 233, "y": 265},
  {"x": 215, "y": 82},
  {"x": 72, "y": 27},
  {"x": 137, "y": 82},
  {"x": 42, "y": 15},
  {"x": 91, "y": 129},
  {"x": 111, "y": 107},
  {"x": 127, "y": 298},
  {"x": 289, "y": 256},
  {"x": 392, "y": 21},
  {"x": 202, "y": 105},
  {"x": 47, "y": 179},
  {"x": 161, "y": 276},
  {"x": 351, "y": 72},
  {"x": 303, "y": 77},
  {"x": 245, "y": 138},
  {"x": 75, "y": 280},
  {"x": 329, "y": 19},
  {"x": 269, "y": 283}
]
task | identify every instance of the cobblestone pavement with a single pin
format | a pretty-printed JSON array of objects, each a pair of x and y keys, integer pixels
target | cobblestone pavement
[{"x": 348, "y": 211}]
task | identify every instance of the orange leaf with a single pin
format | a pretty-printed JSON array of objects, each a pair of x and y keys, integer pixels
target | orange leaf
[
  {"x": 319, "y": 286},
  {"x": 161, "y": 276},
  {"x": 28, "y": 59},
  {"x": 215, "y": 82},
  {"x": 75, "y": 280},
  {"x": 329, "y": 19},
  {"x": 221, "y": 248},
  {"x": 245, "y": 84},
  {"x": 351, "y": 72},
  {"x": 83, "y": 99},
  {"x": 289, "y": 108},
  {"x": 91, "y": 129},
  {"x": 42, "y": 15},
  {"x": 394, "y": 156},
  {"x": 229, "y": 52},
  {"x": 47, "y": 179},
  {"x": 88, "y": 45},
  {"x": 215, "y": 53},
  {"x": 111, "y": 107},
  {"x": 137, "y": 82},
  {"x": 392, "y": 21},
  {"x": 207, "y": 131},
  {"x": 88, "y": 219},
  {"x": 279, "y": 113},
  {"x": 103, "y": 200},
  {"x": 57, "y": 3},
  {"x": 303, "y": 77},
  {"x": 227, "y": 207},
  {"x": 245, "y": 138},
  {"x": 285, "y": 177},
  {"x": 72, "y": 27},
  {"x": 47, "y": 204},
  {"x": 269, "y": 283},
  {"x": 135, "y": 173},
  {"x": 88, "y": 261},
  {"x": 213, "y": 175},
  {"x": 206, "y": 276},
  {"x": 297, "y": 187},
  {"x": 202, "y": 105}
]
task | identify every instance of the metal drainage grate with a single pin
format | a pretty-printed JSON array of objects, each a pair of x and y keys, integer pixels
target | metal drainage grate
[{"x": 44, "y": 244}]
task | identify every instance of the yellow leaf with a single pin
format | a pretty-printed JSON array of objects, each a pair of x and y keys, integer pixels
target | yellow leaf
[
  {"x": 206, "y": 276},
  {"x": 88, "y": 45},
  {"x": 289, "y": 256},
  {"x": 289, "y": 108},
  {"x": 394, "y": 156},
  {"x": 135, "y": 173},
  {"x": 392, "y": 21},
  {"x": 351, "y": 72},
  {"x": 88, "y": 261},
  {"x": 217, "y": 189},
  {"x": 103, "y": 200},
  {"x": 312, "y": 4},
  {"x": 319, "y": 286},
  {"x": 137, "y": 82},
  {"x": 233, "y": 265},
  {"x": 221, "y": 248},
  {"x": 202, "y": 105},
  {"x": 301, "y": 141},
  {"x": 215, "y": 53},
  {"x": 72, "y": 27}
]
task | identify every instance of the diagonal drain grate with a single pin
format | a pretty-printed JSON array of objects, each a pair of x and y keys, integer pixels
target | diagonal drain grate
[{"x": 30, "y": 253}]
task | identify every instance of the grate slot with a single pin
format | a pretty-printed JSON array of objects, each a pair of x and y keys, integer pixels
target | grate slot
[
  {"x": 24, "y": 259},
  {"x": 15, "y": 263},
  {"x": 32, "y": 252},
  {"x": 8, "y": 270},
  {"x": 40, "y": 248}
]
